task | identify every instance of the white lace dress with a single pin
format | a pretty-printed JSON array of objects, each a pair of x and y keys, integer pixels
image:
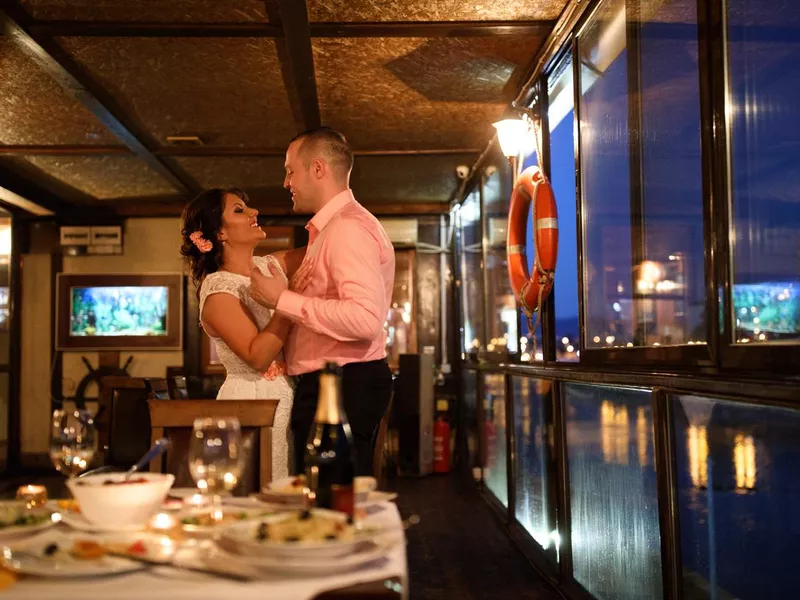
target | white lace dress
[{"x": 243, "y": 382}]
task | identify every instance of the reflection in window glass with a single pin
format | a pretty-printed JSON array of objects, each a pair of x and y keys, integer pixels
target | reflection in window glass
[
  {"x": 616, "y": 541},
  {"x": 495, "y": 475},
  {"x": 531, "y": 506},
  {"x": 502, "y": 329},
  {"x": 469, "y": 417},
  {"x": 738, "y": 493},
  {"x": 561, "y": 115},
  {"x": 764, "y": 117},
  {"x": 643, "y": 240},
  {"x": 400, "y": 323},
  {"x": 528, "y": 351},
  {"x": 471, "y": 273}
]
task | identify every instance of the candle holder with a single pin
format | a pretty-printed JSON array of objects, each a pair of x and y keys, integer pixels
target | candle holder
[{"x": 34, "y": 496}]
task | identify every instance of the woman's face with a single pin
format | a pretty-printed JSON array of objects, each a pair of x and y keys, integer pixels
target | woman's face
[{"x": 239, "y": 223}]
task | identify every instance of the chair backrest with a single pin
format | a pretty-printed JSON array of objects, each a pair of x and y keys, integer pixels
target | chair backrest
[
  {"x": 175, "y": 419},
  {"x": 177, "y": 387},
  {"x": 157, "y": 386},
  {"x": 123, "y": 424}
]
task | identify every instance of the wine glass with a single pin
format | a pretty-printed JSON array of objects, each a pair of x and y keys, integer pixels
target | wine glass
[
  {"x": 73, "y": 440},
  {"x": 215, "y": 457}
]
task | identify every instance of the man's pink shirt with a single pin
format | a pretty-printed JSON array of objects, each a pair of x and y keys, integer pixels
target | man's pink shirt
[{"x": 339, "y": 316}]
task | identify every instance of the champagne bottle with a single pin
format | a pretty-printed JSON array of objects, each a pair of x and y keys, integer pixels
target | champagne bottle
[{"x": 329, "y": 460}]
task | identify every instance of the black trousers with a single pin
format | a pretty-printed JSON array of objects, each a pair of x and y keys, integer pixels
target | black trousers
[{"x": 366, "y": 390}]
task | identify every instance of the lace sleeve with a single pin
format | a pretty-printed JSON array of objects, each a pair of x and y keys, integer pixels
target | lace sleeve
[
  {"x": 263, "y": 262},
  {"x": 218, "y": 283}
]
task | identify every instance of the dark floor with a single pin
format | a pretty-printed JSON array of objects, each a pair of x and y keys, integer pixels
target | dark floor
[{"x": 458, "y": 550}]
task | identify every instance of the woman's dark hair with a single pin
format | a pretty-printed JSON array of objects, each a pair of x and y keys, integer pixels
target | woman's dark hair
[{"x": 204, "y": 214}]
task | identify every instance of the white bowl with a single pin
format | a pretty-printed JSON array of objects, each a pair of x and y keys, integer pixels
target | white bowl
[{"x": 120, "y": 504}]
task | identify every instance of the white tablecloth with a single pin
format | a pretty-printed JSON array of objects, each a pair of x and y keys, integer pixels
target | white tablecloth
[{"x": 161, "y": 582}]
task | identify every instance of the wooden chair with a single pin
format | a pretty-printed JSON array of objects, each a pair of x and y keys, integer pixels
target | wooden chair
[
  {"x": 175, "y": 419},
  {"x": 176, "y": 383},
  {"x": 157, "y": 386},
  {"x": 122, "y": 421},
  {"x": 379, "y": 448}
]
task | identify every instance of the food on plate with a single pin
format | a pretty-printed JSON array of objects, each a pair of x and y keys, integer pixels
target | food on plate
[
  {"x": 207, "y": 519},
  {"x": 17, "y": 515},
  {"x": 293, "y": 486},
  {"x": 92, "y": 550},
  {"x": 87, "y": 550},
  {"x": 69, "y": 505},
  {"x": 305, "y": 527}
]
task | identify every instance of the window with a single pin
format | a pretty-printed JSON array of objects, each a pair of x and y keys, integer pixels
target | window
[
  {"x": 764, "y": 117},
  {"x": 616, "y": 541},
  {"x": 401, "y": 321},
  {"x": 531, "y": 503},
  {"x": 494, "y": 436},
  {"x": 472, "y": 274},
  {"x": 561, "y": 119},
  {"x": 502, "y": 308},
  {"x": 642, "y": 202},
  {"x": 738, "y": 492}
]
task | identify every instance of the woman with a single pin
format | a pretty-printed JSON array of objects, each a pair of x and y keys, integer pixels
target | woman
[{"x": 220, "y": 233}]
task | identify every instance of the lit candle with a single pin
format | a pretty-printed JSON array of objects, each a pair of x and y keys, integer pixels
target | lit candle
[
  {"x": 162, "y": 522},
  {"x": 34, "y": 496},
  {"x": 196, "y": 500}
]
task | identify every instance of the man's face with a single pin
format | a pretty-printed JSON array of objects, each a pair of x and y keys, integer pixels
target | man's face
[{"x": 299, "y": 180}]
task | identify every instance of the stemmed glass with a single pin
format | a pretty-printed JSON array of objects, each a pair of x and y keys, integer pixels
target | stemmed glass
[
  {"x": 215, "y": 457},
  {"x": 73, "y": 440}
]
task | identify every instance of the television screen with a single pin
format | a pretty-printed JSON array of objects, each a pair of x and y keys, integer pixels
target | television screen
[
  {"x": 119, "y": 311},
  {"x": 767, "y": 308}
]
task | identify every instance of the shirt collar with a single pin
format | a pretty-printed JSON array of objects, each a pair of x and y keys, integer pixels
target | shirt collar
[{"x": 327, "y": 212}]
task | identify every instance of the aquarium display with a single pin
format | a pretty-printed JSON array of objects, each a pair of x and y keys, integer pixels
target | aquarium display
[
  {"x": 766, "y": 310},
  {"x": 119, "y": 311}
]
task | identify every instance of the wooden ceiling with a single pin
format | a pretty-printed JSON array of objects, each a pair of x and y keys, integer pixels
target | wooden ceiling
[{"x": 93, "y": 89}]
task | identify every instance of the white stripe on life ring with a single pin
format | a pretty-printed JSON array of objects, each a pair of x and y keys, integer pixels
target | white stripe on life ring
[
  {"x": 546, "y": 223},
  {"x": 516, "y": 249}
]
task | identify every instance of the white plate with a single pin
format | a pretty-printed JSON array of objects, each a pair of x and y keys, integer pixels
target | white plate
[
  {"x": 81, "y": 523},
  {"x": 28, "y": 557},
  {"x": 275, "y": 491},
  {"x": 240, "y": 538},
  {"x": 249, "y": 514},
  {"x": 361, "y": 555},
  {"x": 182, "y": 492},
  {"x": 377, "y": 496},
  {"x": 18, "y": 531}
]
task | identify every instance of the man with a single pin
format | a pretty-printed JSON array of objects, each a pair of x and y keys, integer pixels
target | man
[{"x": 340, "y": 296}]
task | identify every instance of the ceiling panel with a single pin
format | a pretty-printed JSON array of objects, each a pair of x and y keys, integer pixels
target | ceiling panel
[
  {"x": 229, "y": 92},
  {"x": 101, "y": 177},
  {"x": 432, "y": 10},
  {"x": 415, "y": 93},
  {"x": 260, "y": 177},
  {"x": 34, "y": 109},
  {"x": 152, "y": 11},
  {"x": 407, "y": 178}
]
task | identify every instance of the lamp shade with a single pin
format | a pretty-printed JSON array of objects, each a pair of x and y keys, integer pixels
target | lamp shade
[{"x": 513, "y": 135}]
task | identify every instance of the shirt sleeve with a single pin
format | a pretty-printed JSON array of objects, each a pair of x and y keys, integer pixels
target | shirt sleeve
[{"x": 353, "y": 258}]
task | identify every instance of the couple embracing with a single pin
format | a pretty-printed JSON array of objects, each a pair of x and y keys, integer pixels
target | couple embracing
[{"x": 277, "y": 319}]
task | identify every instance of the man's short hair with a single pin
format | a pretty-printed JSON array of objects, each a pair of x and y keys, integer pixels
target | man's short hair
[{"x": 328, "y": 144}]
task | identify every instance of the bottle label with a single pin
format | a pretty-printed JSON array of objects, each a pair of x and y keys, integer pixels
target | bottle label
[{"x": 343, "y": 499}]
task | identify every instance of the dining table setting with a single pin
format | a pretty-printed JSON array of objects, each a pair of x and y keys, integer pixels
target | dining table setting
[{"x": 133, "y": 534}]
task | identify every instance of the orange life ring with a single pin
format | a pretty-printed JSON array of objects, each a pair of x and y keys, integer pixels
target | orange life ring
[{"x": 532, "y": 289}]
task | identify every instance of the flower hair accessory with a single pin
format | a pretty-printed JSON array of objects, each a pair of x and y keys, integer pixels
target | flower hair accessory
[{"x": 202, "y": 243}]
